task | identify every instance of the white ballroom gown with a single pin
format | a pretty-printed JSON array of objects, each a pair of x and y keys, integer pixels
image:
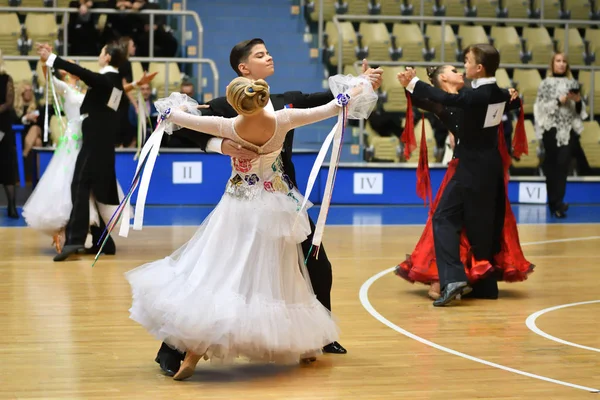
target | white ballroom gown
[{"x": 239, "y": 287}]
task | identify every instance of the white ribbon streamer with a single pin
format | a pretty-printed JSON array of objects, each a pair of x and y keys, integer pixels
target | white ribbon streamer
[
  {"x": 142, "y": 120},
  {"x": 316, "y": 168},
  {"x": 149, "y": 150},
  {"x": 46, "y": 124},
  {"x": 333, "y": 164}
]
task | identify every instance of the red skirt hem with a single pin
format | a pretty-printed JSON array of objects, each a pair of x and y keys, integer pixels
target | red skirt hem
[{"x": 509, "y": 264}]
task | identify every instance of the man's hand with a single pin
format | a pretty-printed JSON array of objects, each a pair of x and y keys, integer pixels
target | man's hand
[
  {"x": 233, "y": 149},
  {"x": 44, "y": 51},
  {"x": 374, "y": 75},
  {"x": 405, "y": 77},
  {"x": 513, "y": 94}
]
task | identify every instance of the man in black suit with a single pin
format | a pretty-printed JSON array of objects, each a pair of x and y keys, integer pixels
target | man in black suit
[
  {"x": 95, "y": 165},
  {"x": 252, "y": 60},
  {"x": 474, "y": 198}
]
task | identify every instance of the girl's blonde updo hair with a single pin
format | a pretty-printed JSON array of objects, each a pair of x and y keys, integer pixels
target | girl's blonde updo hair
[{"x": 246, "y": 96}]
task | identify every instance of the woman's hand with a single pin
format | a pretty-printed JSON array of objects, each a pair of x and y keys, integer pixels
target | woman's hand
[
  {"x": 563, "y": 99},
  {"x": 44, "y": 51},
  {"x": 146, "y": 78},
  {"x": 576, "y": 97},
  {"x": 32, "y": 117},
  {"x": 513, "y": 94}
]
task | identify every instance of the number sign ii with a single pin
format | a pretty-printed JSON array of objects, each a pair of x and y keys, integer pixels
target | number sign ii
[{"x": 187, "y": 172}]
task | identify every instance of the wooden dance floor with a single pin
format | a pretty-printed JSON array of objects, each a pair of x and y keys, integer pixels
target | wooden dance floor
[{"x": 66, "y": 332}]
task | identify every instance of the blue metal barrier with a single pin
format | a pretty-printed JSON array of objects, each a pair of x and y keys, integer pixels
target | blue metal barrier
[{"x": 18, "y": 130}]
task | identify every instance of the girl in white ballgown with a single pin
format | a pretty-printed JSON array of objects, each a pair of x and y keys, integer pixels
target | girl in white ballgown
[
  {"x": 49, "y": 206},
  {"x": 239, "y": 287}
]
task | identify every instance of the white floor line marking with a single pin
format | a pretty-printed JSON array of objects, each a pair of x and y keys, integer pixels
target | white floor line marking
[
  {"x": 364, "y": 299},
  {"x": 530, "y": 322}
]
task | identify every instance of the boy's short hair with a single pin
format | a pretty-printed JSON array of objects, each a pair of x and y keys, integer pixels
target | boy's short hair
[
  {"x": 486, "y": 55},
  {"x": 241, "y": 52}
]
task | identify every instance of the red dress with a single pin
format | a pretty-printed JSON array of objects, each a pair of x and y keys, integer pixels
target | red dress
[{"x": 509, "y": 264}]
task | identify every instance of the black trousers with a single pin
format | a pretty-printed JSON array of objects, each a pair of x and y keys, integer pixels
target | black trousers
[
  {"x": 321, "y": 276},
  {"x": 556, "y": 169},
  {"x": 480, "y": 212},
  {"x": 92, "y": 175},
  {"x": 582, "y": 166}
]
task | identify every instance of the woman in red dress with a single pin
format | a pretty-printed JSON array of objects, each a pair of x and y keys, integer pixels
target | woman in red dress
[{"x": 509, "y": 263}]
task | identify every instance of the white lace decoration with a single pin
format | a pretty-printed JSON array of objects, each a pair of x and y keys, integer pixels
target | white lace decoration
[{"x": 175, "y": 100}]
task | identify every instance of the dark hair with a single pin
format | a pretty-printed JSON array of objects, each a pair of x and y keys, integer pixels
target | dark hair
[
  {"x": 116, "y": 53},
  {"x": 434, "y": 74},
  {"x": 241, "y": 52},
  {"x": 486, "y": 55},
  {"x": 124, "y": 42}
]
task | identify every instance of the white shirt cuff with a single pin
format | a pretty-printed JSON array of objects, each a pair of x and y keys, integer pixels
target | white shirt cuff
[
  {"x": 411, "y": 84},
  {"x": 24, "y": 120},
  {"x": 214, "y": 145},
  {"x": 50, "y": 60}
]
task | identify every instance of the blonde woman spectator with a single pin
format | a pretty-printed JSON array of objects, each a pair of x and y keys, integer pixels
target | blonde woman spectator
[
  {"x": 558, "y": 110},
  {"x": 28, "y": 113}
]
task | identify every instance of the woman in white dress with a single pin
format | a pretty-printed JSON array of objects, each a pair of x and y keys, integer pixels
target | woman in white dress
[
  {"x": 49, "y": 206},
  {"x": 239, "y": 287}
]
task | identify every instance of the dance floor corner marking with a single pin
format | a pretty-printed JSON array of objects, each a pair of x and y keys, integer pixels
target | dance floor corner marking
[{"x": 366, "y": 303}]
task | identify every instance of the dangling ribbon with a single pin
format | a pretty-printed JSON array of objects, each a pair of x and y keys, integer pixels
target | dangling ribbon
[
  {"x": 142, "y": 177},
  {"x": 408, "y": 135},
  {"x": 336, "y": 135},
  {"x": 316, "y": 168},
  {"x": 519, "y": 144},
  {"x": 46, "y": 124},
  {"x": 56, "y": 105},
  {"x": 423, "y": 178},
  {"x": 141, "y": 126}
]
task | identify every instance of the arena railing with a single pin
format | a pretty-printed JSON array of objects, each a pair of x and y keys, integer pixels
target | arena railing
[
  {"x": 151, "y": 13},
  {"x": 446, "y": 20},
  {"x": 165, "y": 60},
  {"x": 421, "y": 18}
]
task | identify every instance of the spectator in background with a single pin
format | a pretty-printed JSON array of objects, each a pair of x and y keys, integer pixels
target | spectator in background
[
  {"x": 8, "y": 161},
  {"x": 150, "y": 112},
  {"x": 165, "y": 44},
  {"x": 126, "y": 134},
  {"x": 558, "y": 111},
  {"x": 187, "y": 87},
  {"x": 121, "y": 24},
  {"x": 83, "y": 36},
  {"x": 30, "y": 114}
]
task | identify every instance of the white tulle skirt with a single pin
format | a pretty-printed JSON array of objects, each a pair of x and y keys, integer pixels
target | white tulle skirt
[
  {"x": 49, "y": 206},
  {"x": 238, "y": 288}
]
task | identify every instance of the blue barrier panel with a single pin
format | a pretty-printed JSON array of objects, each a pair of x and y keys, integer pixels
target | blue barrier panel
[
  {"x": 190, "y": 177},
  {"x": 18, "y": 130},
  {"x": 187, "y": 177}
]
